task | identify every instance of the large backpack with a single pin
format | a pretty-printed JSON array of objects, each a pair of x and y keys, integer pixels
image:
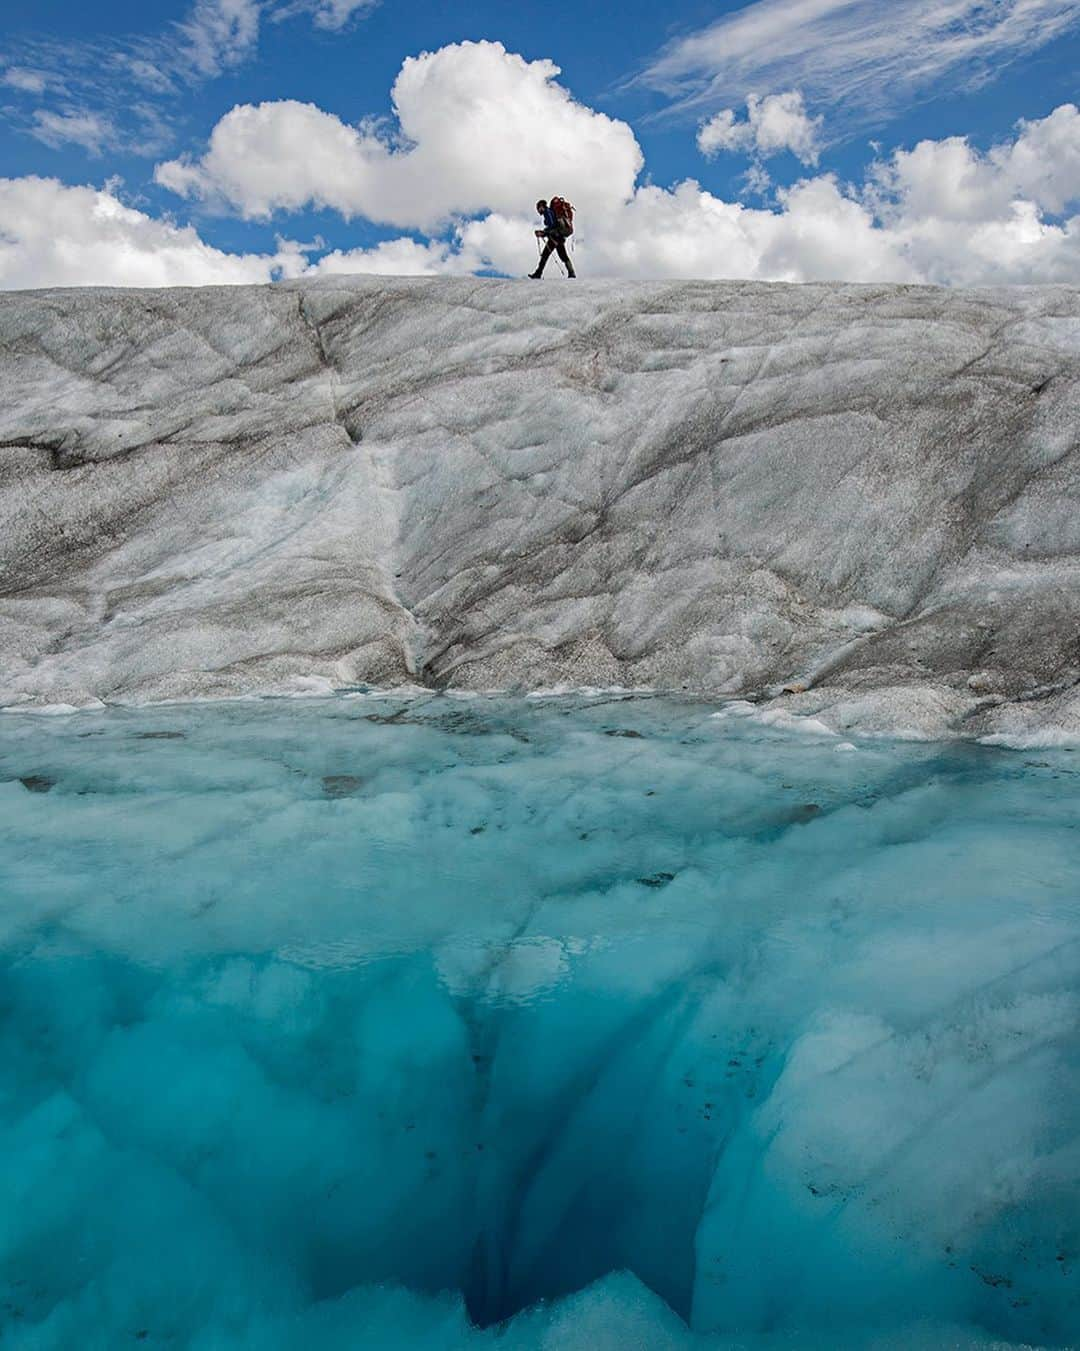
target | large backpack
[{"x": 564, "y": 215}]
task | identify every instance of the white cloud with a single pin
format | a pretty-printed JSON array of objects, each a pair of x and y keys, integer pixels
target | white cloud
[
  {"x": 465, "y": 116},
  {"x": 941, "y": 211},
  {"x": 27, "y": 81},
  {"x": 335, "y": 14},
  {"x": 54, "y": 235},
  {"x": 217, "y": 35},
  {"x": 116, "y": 91},
  {"x": 817, "y": 233},
  {"x": 855, "y": 55},
  {"x": 128, "y": 84},
  {"x": 213, "y": 37},
  {"x": 396, "y": 258},
  {"x": 89, "y": 130},
  {"x": 948, "y": 179},
  {"x": 966, "y": 216},
  {"x": 774, "y": 123},
  {"x": 152, "y": 76},
  {"x": 757, "y": 179},
  {"x": 724, "y": 131},
  {"x": 331, "y": 15}
]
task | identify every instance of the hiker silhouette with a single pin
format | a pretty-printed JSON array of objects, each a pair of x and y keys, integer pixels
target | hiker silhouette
[{"x": 558, "y": 227}]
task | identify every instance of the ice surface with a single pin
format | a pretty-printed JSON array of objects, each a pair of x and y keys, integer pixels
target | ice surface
[
  {"x": 376, "y": 1021},
  {"x": 870, "y": 491}
]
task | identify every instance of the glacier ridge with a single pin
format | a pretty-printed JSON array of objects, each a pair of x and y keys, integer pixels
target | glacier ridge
[{"x": 865, "y": 494}]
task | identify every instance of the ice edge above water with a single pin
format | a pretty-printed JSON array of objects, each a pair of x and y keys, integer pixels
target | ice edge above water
[
  {"x": 869, "y": 494},
  {"x": 772, "y": 714}
]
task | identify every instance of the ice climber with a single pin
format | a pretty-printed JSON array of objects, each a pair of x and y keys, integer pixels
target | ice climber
[{"x": 558, "y": 227}]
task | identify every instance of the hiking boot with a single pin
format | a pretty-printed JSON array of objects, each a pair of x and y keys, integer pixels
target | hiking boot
[{"x": 536, "y": 276}]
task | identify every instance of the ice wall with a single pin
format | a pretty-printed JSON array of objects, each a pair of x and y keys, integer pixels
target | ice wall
[{"x": 867, "y": 491}]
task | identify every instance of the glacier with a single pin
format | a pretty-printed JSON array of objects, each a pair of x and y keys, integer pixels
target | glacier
[
  {"x": 473, "y": 1022},
  {"x": 532, "y": 862},
  {"x": 865, "y": 494}
]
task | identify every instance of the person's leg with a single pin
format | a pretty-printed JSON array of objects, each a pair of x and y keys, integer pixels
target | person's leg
[
  {"x": 561, "y": 246},
  {"x": 548, "y": 248}
]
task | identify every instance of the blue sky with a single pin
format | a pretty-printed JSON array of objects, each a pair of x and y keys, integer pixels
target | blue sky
[{"x": 883, "y": 139}]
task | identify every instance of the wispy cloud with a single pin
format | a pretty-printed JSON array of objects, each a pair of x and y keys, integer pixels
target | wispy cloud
[
  {"x": 90, "y": 131},
  {"x": 332, "y": 15},
  {"x": 859, "y": 56},
  {"x": 216, "y": 36},
  {"x": 117, "y": 92},
  {"x": 122, "y": 91},
  {"x": 26, "y": 81},
  {"x": 335, "y": 14}
]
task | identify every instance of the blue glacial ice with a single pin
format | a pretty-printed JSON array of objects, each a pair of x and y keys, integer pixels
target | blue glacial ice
[{"x": 538, "y": 1023}]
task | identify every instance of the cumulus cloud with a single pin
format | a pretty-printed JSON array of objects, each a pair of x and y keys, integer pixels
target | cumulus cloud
[
  {"x": 724, "y": 131},
  {"x": 961, "y": 215},
  {"x": 452, "y": 168},
  {"x": 774, "y": 123},
  {"x": 941, "y": 212},
  {"x": 463, "y": 116},
  {"x": 54, "y": 235},
  {"x": 816, "y": 233},
  {"x": 859, "y": 56},
  {"x": 397, "y": 258},
  {"x": 948, "y": 179}
]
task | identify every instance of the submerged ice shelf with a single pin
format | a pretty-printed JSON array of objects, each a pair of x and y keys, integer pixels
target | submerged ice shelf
[{"x": 633, "y": 1026}]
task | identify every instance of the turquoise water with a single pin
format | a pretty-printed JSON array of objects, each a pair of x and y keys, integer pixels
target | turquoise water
[{"x": 380, "y": 1022}]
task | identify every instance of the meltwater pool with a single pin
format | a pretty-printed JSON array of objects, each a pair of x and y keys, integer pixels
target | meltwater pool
[{"x": 603, "y": 1022}]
